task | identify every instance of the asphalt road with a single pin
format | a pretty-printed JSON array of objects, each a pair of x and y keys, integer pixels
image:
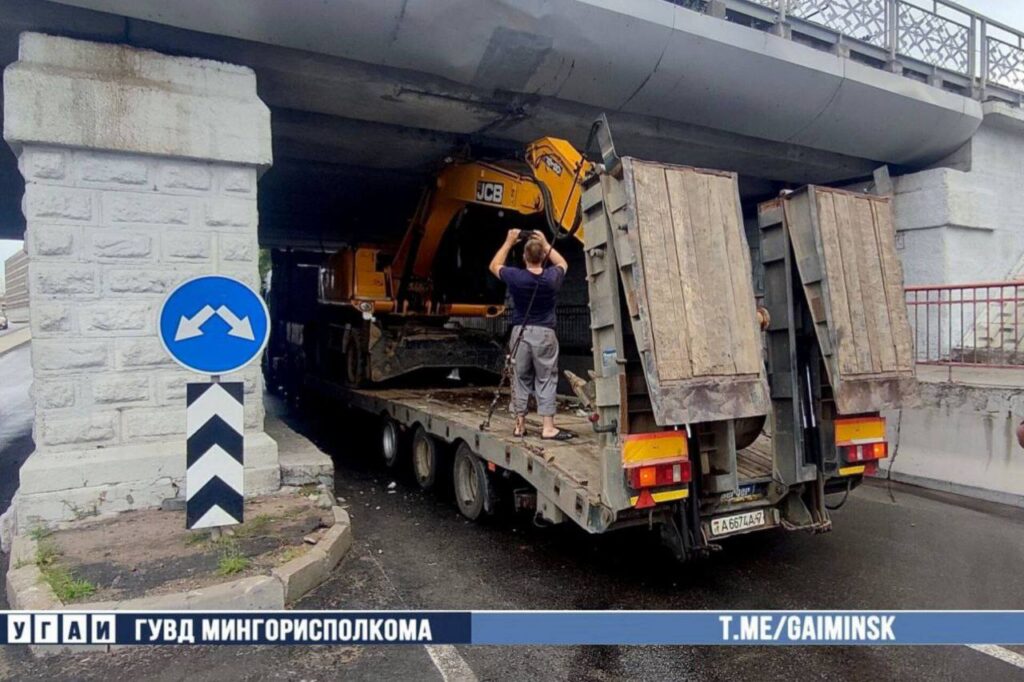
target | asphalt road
[
  {"x": 15, "y": 418},
  {"x": 413, "y": 550}
]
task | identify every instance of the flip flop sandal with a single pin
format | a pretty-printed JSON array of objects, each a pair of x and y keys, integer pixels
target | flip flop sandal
[{"x": 561, "y": 435}]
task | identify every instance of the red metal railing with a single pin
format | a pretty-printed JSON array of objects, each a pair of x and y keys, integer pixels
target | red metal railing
[{"x": 968, "y": 324}]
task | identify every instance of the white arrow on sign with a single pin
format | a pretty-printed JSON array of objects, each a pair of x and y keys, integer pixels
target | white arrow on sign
[
  {"x": 239, "y": 327},
  {"x": 191, "y": 327}
]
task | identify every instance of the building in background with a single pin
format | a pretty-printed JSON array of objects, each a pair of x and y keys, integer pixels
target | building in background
[{"x": 15, "y": 298}]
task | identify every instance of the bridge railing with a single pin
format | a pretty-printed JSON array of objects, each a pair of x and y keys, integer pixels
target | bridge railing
[
  {"x": 936, "y": 41},
  {"x": 980, "y": 324}
]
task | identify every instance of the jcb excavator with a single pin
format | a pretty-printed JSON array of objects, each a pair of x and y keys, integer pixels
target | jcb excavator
[{"x": 401, "y": 308}]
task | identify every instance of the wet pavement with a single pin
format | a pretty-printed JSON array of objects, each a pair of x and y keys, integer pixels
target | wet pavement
[
  {"x": 898, "y": 548},
  {"x": 16, "y": 415}
]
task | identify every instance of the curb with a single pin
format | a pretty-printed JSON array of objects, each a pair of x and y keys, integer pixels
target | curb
[
  {"x": 26, "y": 589},
  {"x": 16, "y": 342}
]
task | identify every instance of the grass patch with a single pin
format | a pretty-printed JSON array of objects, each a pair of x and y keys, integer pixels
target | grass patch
[
  {"x": 231, "y": 558},
  {"x": 40, "y": 533},
  {"x": 288, "y": 554},
  {"x": 196, "y": 537},
  {"x": 65, "y": 585},
  {"x": 254, "y": 526},
  {"x": 46, "y": 554}
]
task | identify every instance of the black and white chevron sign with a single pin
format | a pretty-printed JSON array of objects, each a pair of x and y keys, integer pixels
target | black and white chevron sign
[{"x": 214, "y": 479}]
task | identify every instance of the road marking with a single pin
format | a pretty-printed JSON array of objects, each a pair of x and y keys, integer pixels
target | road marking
[
  {"x": 450, "y": 663},
  {"x": 1004, "y": 655},
  {"x": 445, "y": 657}
]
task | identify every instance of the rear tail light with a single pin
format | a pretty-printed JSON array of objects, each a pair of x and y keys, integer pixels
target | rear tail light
[
  {"x": 656, "y": 475},
  {"x": 861, "y": 439},
  {"x": 869, "y": 452}
]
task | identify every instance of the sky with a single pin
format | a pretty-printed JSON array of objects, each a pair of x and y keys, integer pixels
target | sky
[{"x": 1010, "y": 12}]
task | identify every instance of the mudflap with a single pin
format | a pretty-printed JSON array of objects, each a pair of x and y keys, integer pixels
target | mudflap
[
  {"x": 409, "y": 348},
  {"x": 681, "y": 534},
  {"x": 804, "y": 508}
]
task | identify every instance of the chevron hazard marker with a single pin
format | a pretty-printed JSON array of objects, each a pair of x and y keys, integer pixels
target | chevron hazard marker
[{"x": 215, "y": 474}]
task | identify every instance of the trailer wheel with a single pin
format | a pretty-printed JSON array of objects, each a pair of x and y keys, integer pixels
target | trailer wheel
[
  {"x": 425, "y": 458},
  {"x": 472, "y": 487},
  {"x": 390, "y": 442},
  {"x": 355, "y": 365}
]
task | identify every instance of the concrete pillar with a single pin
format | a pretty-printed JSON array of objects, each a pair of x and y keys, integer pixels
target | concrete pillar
[
  {"x": 140, "y": 172},
  {"x": 965, "y": 222}
]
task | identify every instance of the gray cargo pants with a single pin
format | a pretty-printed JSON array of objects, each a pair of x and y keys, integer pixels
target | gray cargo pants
[{"x": 536, "y": 370}]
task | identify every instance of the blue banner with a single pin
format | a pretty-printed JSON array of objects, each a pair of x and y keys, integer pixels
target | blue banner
[{"x": 732, "y": 628}]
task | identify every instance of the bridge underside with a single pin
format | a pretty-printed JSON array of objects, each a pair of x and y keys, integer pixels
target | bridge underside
[{"x": 358, "y": 123}]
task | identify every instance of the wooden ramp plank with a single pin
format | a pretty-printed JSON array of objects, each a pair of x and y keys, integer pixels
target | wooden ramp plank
[
  {"x": 690, "y": 281},
  {"x": 892, "y": 276},
  {"x": 691, "y": 286},
  {"x": 838, "y": 296},
  {"x": 851, "y": 269},
  {"x": 883, "y": 353},
  {"x": 748, "y": 355},
  {"x": 654, "y": 221},
  {"x": 711, "y": 262},
  {"x": 854, "y": 267}
]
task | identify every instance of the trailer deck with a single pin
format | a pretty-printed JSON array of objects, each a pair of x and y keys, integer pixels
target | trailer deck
[
  {"x": 566, "y": 473},
  {"x": 574, "y": 459}
]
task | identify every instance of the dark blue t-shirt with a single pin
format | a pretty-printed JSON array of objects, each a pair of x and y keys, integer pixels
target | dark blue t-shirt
[{"x": 521, "y": 285}]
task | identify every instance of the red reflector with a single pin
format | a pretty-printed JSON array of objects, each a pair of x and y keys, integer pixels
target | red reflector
[
  {"x": 659, "y": 475},
  {"x": 867, "y": 452},
  {"x": 644, "y": 501},
  {"x": 871, "y": 468}
]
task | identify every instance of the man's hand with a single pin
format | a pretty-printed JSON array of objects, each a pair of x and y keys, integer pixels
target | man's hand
[
  {"x": 537, "y": 235},
  {"x": 513, "y": 236}
]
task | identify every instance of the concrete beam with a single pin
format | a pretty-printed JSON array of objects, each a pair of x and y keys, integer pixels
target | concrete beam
[
  {"x": 643, "y": 57},
  {"x": 105, "y": 97}
]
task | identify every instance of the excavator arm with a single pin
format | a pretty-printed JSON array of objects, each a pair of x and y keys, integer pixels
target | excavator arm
[{"x": 554, "y": 186}]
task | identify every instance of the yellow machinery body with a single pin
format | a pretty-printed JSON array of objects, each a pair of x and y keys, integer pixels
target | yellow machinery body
[{"x": 398, "y": 279}]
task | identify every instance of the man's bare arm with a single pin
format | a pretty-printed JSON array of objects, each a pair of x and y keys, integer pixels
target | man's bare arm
[
  {"x": 554, "y": 257},
  {"x": 502, "y": 255}
]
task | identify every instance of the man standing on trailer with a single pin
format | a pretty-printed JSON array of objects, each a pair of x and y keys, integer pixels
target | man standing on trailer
[{"x": 534, "y": 291}]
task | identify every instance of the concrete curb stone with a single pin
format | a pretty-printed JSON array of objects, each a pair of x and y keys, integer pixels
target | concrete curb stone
[{"x": 26, "y": 589}]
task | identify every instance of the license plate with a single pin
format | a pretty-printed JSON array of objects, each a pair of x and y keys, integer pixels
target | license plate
[{"x": 737, "y": 523}]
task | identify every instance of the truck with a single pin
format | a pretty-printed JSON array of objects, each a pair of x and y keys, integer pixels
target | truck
[{"x": 705, "y": 413}]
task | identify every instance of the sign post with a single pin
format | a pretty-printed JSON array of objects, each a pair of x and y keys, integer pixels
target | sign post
[{"x": 214, "y": 325}]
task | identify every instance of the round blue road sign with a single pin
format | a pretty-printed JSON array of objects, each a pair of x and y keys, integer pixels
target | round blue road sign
[{"x": 214, "y": 324}]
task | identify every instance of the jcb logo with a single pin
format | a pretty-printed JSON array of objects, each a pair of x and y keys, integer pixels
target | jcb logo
[
  {"x": 552, "y": 165},
  {"x": 491, "y": 192}
]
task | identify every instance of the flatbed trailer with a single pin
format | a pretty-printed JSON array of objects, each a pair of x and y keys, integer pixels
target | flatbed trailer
[
  {"x": 566, "y": 475},
  {"x": 696, "y": 420}
]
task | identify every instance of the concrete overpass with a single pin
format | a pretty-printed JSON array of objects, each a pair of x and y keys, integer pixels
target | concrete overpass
[{"x": 369, "y": 94}]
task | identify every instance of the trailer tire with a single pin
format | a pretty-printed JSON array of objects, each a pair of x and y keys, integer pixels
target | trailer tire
[
  {"x": 469, "y": 480},
  {"x": 426, "y": 458},
  {"x": 355, "y": 362},
  {"x": 390, "y": 442}
]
